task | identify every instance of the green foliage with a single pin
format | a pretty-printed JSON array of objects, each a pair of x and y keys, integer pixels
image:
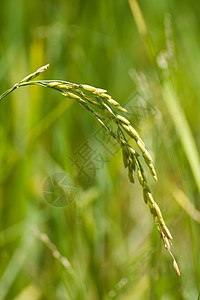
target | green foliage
[{"x": 103, "y": 245}]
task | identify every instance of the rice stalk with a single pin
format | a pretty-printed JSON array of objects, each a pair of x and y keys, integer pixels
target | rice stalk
[
  {"x": 64, "y": 262},
  {"x": 92, "y": 98}
]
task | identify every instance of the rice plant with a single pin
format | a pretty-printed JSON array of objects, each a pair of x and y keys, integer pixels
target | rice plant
[{"x": 97, "y": 100}]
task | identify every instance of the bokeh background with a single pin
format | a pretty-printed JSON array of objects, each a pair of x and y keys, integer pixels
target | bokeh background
[{"x": 100, "y": 241}]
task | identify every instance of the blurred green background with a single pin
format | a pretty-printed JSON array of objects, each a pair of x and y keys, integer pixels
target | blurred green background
[{"x": 104, "y": 244}]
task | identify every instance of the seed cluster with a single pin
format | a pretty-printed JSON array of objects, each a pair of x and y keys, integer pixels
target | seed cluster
[{"x": 97, "y": 100}]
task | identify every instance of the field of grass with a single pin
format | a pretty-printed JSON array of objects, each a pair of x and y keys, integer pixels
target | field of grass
[{"x": 92, "y": 236}]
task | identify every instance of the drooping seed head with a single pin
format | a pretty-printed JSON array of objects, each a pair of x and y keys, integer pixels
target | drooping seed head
[
  {"x": 122, "y": 119},
  {"x": 166, "y": 243},
  {"x": 176, "y": 268},
  {"x": 146, "y": 187},
  {"x": 130, "y": 173},
  {"x": 72, "y": 96},
  {"x": 147, "y": 156},
  {"x": 53, "y": 84},
  {"x": 133, "y": 133},
  {"x": 112, "y": 101},
  {"x": 133, "y": 151},
  {"x": 121, "y": 108},
  {"x": 64, "y": 86},
  {"x": 106, "y": 96},
  {"x": 88, "y": 87},
  {"x": 99, "y": 91},
  {"x": 140, "y": 177},
  {"x": 166, "y": 232},
  {"x": 35, "y": 74},
  {"x": 42, "y": 69}
]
